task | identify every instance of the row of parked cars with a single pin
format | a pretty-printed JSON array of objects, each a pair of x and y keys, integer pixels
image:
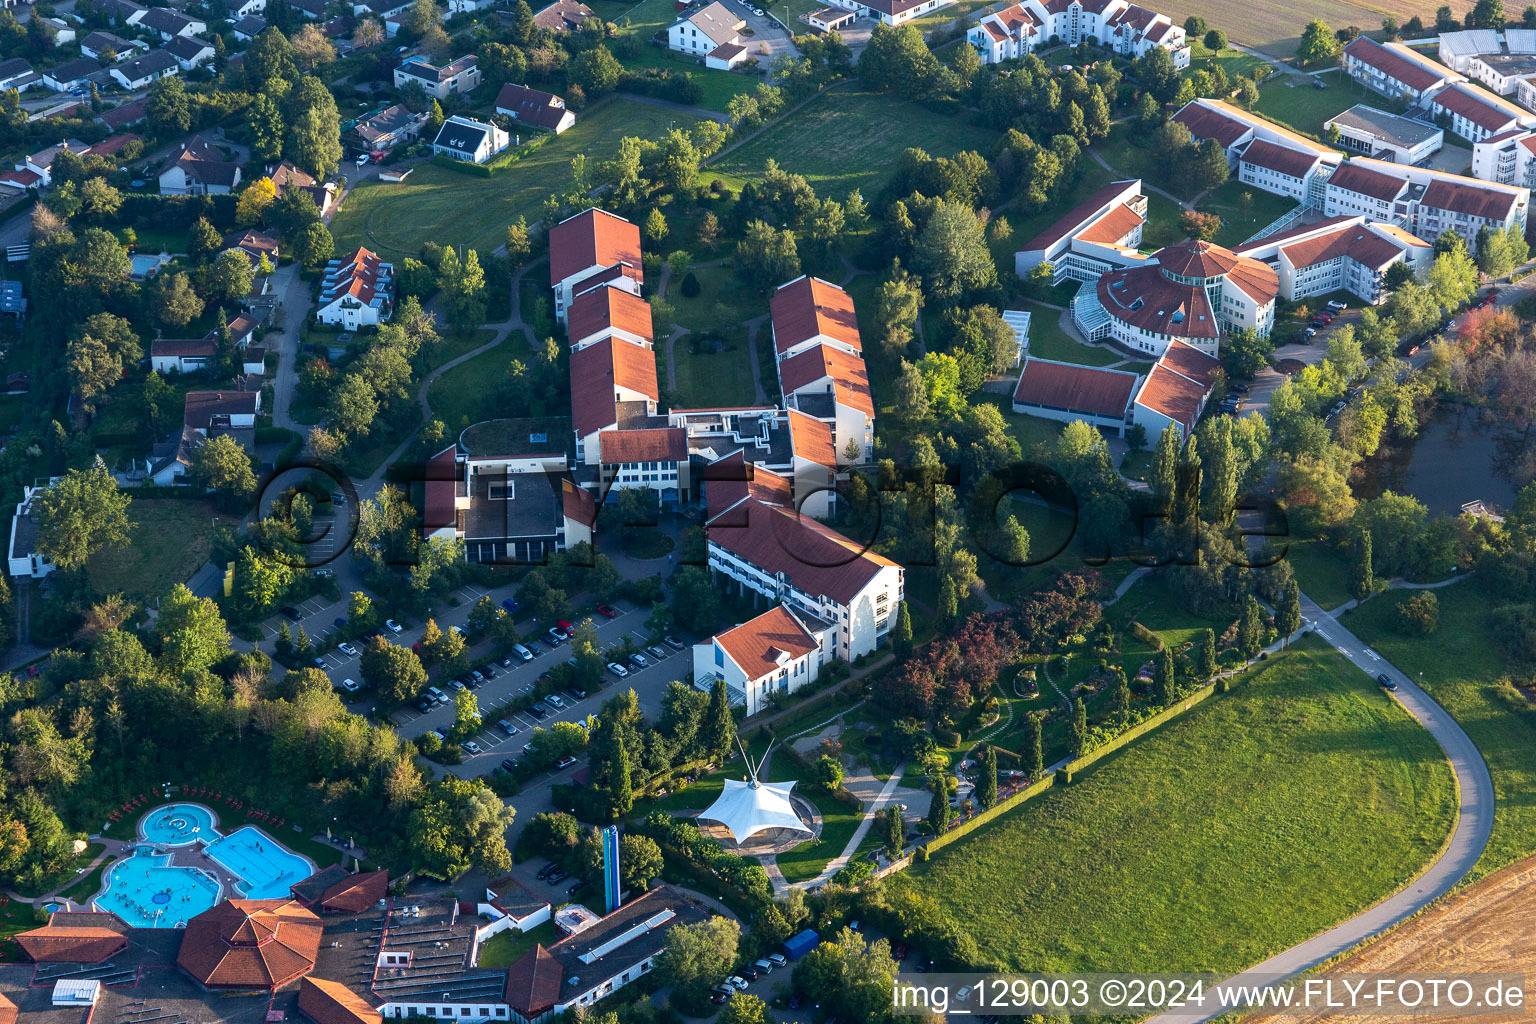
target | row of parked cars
[{"x": 738, "y": 982}]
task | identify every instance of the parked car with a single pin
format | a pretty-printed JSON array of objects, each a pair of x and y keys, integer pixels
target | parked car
[
  {"x": 457, "y": 685},
  {"x": 507, "y": 727},
  {"x": 425, "y": 704},
  {"x": 557, "y": 876},
  {"x": 763, "y": 966},
  {"x": 1386, "y": 682},
  {"x": 554, "y": 637},
  {"x": 638, "y": 661},
  {"x": 437, "y": 695},
  {"x": 510, "y": 605},
  {"x": 347, "y": 649},
  {"x": 477, "y": 675},
  {"x": 508, "y": 764},
  {"x": 416, "y": 647},
  {"x": 794, "y": 1001},
  {"x": 1338, "y": 408},
  {"x": 339, "y": 623},
  {"x": 673, "y": 642},
  {"x": 565, "y": 627},
  {"x": 522, "y": 652},
  {"x": 750, "y": 973},
  {"x": 470, "y": 747},
  {"x": 656, "y": 652},
  {"x": 565, "y": 762},
  {"x": 441, "y": 733},
  {"x": 578, "y": 693},
  {"x": 607, "y": 611},
  {"x": 575, "y": 888},
  {"x": 1241, "y": 389},
  {"x": 719, "y": 998},
  {"x": 737, "y": 982},
  {"x": 459, "y": 630},
  {"x": 318, "y": 663},
  {"x": 291, "y": 613},
  {"x": 778, "y": 960},
  {"x": 900, "y": 951},
  {"x": 1336, "y": 306},
  {"x": 554, "y": 701},
  {"x": 547, "y": 870},
  {"x": 362, "y": 160},
  {"x": 1309, "y": 334},
  {"x": 393, "y": 626},
  {"x": 617, "y": 669},
  {"x": 538, "y": 711},
  {"x": 506, "y": 661},
  {"x": 350, "y": 685}
]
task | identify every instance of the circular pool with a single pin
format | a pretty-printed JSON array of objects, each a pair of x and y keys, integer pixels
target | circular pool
[{"x": 178, "y": 825}]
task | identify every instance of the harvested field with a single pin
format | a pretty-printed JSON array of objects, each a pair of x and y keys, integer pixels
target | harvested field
[
  {"x": 1486, "y": 928},
  {"x": 1276, "y": 27}
]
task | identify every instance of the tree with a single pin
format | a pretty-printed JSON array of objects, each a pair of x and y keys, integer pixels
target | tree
[
  {"x": 620, "y": 794},
  {"x": 986, "y": 783},
  {"x": 99, "y": 201},
  {"x": 655, "y": 226},
  {"x": 219, "y": 464},
  {"x": 311, "y": 47},
  {"x": 745, "y": 1008},
  {"x": 315, "y": 245},
  {"x": 314, "y": 142},
  {"x": 1362, "y": 582},
  {"x": 697, "y": 956},
  {"x": 1163, "y": 679},
  {"x": 255, "y": 201},
  {"x": 463, "y": 284},
  {"x": 269, "y": 57},
  {"x": 1487, "y": 14},
  {"x": 1250, "y": 630},
  {"x": 901, "y": 633},
  {"x": 394, "y": 671},
  {"x": 894, "y": 834},
  {"x": 1199, "y": 225},
  {"x": 896, "y": 310},
  {"x": 767, "y": 256},
  {"x": 1079, "y": 728},
  {"x": 421, "y": 17},
  {"x": 1288, "y": 614},
  {"x": 718, "y": 727},
  {"x": 1247, "y": 93},
  {"x": 97, "y": 352},
  {"x": 1205, "y": 658},
  {"x": 1194, "y": 26},
  {"x": 938, "y": 807},
  {"x": 596, "y": 71},
  {"x": 1390, "y": 28},
  {"x": 952, "y": 254},
  {"x": 640, "y": 862},
  {"x": 1318, "y": 43},
  {"x": 167, "y": 108},
  {"x": 1215, "y": 40},
  {"x": 827, "y": 773},
  {"x": 231, "y": 276},
  {"x": 174, "y": 301},
  {"x": 1419, "y": 614},
  {"x": 191, "y": 631},
  {"x": 1247, "y": 352},
  {"x": 1210, "y": 165},
  {"x": 518, "y": 244}
]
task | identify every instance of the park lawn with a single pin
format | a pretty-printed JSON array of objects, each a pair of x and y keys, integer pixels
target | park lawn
[
  {"x": 1048, "y": 340},
  {"x": 648, "y": 18},
  {"x": 1462, "y": 666},
  {"x": 1235, "y": 63},
  {"x": 88, "y": 885},
  {"x": 171, "y": 538},
  {"x": 839, "y": 821},
  {"x": 718, "y": 88},
  {"x": 1304, "y": 108},
  {"x": 706, "y": 378},
  {"x": 469, "y": 392},
  {"x": 1132, "y": 160},
  {"x": 969, "y": 9},
  {"x": 1215, "y": 841},
  {"x": 1136, "y": 465},
  {"x": 440, "y": 205},
  {"x": 844, "y": 140},
  {"x": 1162, "y": 226},
  {"x": 1241, "y": 218},
  {"x": 16, "y": 916},
  {"x": 1321, "y": 571},
  {"x": 506, "y": 948}
]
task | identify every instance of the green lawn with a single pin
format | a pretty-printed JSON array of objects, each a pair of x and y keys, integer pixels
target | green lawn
[
  {"x": 436, "y": 204},
  {"x": 1131, "y": 160},
  {"x": 504, "y": 949},
  {"x": 647, "y": 18},
  {"x": 1047, "y": 339},
  {"x": 468, "y": 393},
  {"x": 171, "y": 539},
  {"x": 1240, "y": 216},
  {"x": 845, "y": 140},
  {"x": 718, "y": 87},
  {"x": 1235, "y": 63},
  {"x": 708, "y": 378},
  {"x": 1321, "y": 572},
  {"x": 1304, "y": 108},
  {"x": 1256, "y": 820},
  {"x": 1464, "y": 669}
]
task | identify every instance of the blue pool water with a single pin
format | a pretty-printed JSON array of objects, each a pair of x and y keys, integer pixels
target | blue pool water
[
  {"x": 266, "y": 869},
  {"x": 147, "y": 891},
  {"x": 178, "y": 825}
]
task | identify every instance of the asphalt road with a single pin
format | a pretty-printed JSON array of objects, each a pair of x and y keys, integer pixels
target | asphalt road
[{"x": 1474, "y": 823}]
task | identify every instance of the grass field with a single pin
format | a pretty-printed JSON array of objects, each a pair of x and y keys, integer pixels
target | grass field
[
  {"x": 1276, "y": 28},
  {"x": 717, "y": 87},
  {"x": 1254, "y": 821},
  {"x": 845, "y": 140},
  {"x": 468, "y": 393},
  {"x": 440, "y": 205},
  {"x": 1305, "y": 108},
  {"x": 1463, "y": 668},
  {"x": 1241, "y": 218},
  {"x": 1321, "y": 572},
  {"x": 170, "y": 540},
  {"x": 504, "y": 949},
  {"x": 1047, "y": 339},
  {"x": 708, "y": 378}
]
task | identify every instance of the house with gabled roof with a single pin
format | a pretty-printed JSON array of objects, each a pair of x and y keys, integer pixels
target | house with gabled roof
[
  {"x": 356, "y": 291},
  {"x": 591, "y": 249},
  {"x": 464, "y": 138},
  {"x": 142, "y": 72},
  {"x": 772, "y": 654},
  {"x": 198, "y": 167},
  {"x": 534, "y": 108},
  {"x": 562, "y": 16},
  {"x": 1176, "y": 390},
  {"x": 711, "y": 31}
]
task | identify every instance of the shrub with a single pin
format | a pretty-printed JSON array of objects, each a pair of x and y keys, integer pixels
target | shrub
[
  {"x": 690, "y": 286},
  {"x": 1420, "y": 614},
  {"x": 947, "y": 737},
  {"x": 1063, "y": 776},
  {"x": 1146, "y": 636}
]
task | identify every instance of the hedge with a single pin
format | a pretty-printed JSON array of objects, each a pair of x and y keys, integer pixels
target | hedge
[
  {"x": 1141, "y": 728},
  {"x": 506, "y": 158},
  {"x": 996, "y": 810}
]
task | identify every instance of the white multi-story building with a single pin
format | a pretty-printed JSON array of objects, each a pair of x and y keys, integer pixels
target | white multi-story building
[
  {"x": 1126, "y": 28},
  {"x": 1425, "y": 202},
  {"x": 1281, "y": 169},
  {"x": 827, "y": 579},
  {"x": 439, "y": 82},
  {"x": 356, "y": 291},
  {"x": 590, "y": 249},
  {"x": 25, "y": 561},
  {"x": 821, "y": 363},
  {"x": 773, "y": 653},
  {"x": 1100, "y": 234},
  {"x": 1367, "y": 131},
  {"x": 1394, "y": 70},
  {"x": 1475, "y": 113},
  {"x": 1349, "y": 254},
  {"x": 713, "y": 31}
]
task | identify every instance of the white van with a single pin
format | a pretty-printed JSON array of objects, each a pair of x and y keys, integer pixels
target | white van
[
  {"x": 437, "y": 695},
  {"x": 522, "y": 652}
]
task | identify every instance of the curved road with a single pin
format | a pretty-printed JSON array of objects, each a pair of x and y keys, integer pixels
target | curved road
[{"x": 1473, "y": 825}]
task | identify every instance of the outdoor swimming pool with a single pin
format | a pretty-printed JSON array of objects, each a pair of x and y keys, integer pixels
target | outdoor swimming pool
[
  {"x": 267, "y": 871},
  {"x": 178, "y": 825},
  {"x": 148, "y": 891}
]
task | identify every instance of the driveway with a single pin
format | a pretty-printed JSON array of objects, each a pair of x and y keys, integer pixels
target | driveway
[
  {"x": 1474, "y": 823},
  {"x": 769, "y": 38}
]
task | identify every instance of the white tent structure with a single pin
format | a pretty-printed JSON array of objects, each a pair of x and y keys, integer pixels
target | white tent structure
[{"x": 752, "y": 806}]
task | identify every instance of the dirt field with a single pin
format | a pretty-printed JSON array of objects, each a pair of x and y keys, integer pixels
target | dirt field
[
  {"x": 1488, "y": 929},
  {"x": 1275, "y": 27}
]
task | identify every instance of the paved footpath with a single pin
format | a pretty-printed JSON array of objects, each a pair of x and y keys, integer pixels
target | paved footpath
[{"x": 1474, "y": 823}]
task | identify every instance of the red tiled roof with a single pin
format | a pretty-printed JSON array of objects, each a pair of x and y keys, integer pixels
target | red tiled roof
[
  {"x": 1174, "y": 395},
  {"x": 533, "y": 983},
  {"x": 815, "y": 558},
  {"x": 593, "y": 238},
  {"x": 330, "y": 1002},
  {"x": 1072, "y": 388},
  {"x": 1196, "y": 258},
  {"x": 662, "y": 444},
  {"x": 1074, "y": 220},
  {"x": 201, "y": 406},
  {"x": 578, "y": 503},
  {"x": 850, "y": 378},
  {"x": 1357, "y": 242},
  {"x": 1281, "y": 236},
  {"x": 442, "y": 475},
  {"x": 1258, "y": 280},
  {"x": 811, "y": 439},
  {"x": 1469, "y": 198},
  {"x": 810, "y": 307},
  {"x": 204, "y": 346},
  {"x": 731, "y": 480},
  {"x": 1118, "y": 221},
  {"x": 356, "y": 893},
  {"x": 1290, "y": 162},
  {"x": 757, "y": 644},
  {"x": 600, "y": 368},
  {"x": 79, "y": 936},
  {"x": 1481, "y": 108},
  {"x": 727, "y": 51},
  {"x": 1352, "y": 176},
  {"x": 250, "y": 944},
  {"x": 1393, "y": 64},
  {"x": 1143, "y": 298},
  {"x": 8, "y": 1011},
  {"x": 1190, "y": 361},
  {"x": 607, "y": 308},
  {"x": 1205, "y": 123}
]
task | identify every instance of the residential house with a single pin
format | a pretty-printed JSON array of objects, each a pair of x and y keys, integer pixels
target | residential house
[
  {"x": 464, "y": 138},
  {"x": 198, "y": 167},
  {"x": 1126, "y": 28},
  {"x": 311, "y": 9},
  {"x": 706, "y": 31},
  {"x": 190, "y": 355},
  {"x": 256, "y": 245},
  {"x": 120, "y": 12},
  {"x": 286, "y": 176},
  {"x": 893, "y": 12},
  {"x": 17, "y": 74},
  {"x": 387, "y": 128},
  {"x": 830, "y": 19},
  {"x": 439, "y": 82},
  {"x": 124, "y": 116},
  {"x": 35, "y": 171},
  {"x": 249, "y": 27},
  {"x": 190, "y": 51},
  {"x": 562, "y": 16},
  {"x": 106, "y": 47},
  {"x": 356, "y": 291},
  {"x": 63, "y": 32},
  {"x": 75, "y": 74},
  {"x": 534, "y": 108},
  {"x": 470, "y": 6},
  {"x": 25, "y": 560},
  {"x": 774, "y": 653},
  {"x": 590, "y": 249},
  {"x": 169, "y": 24},
  {"x": 142, "y": 72}
]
